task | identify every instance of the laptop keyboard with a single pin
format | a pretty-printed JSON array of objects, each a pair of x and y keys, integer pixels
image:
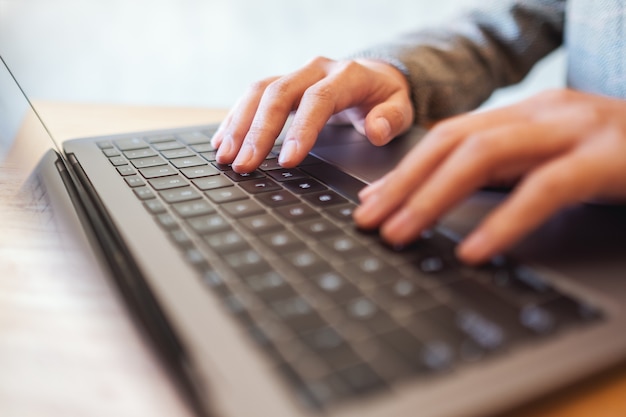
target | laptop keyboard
[{"x": 338, "y": 312}]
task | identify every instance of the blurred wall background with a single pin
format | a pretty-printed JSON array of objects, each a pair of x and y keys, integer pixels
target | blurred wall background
[{"x": 201, "y": 52}]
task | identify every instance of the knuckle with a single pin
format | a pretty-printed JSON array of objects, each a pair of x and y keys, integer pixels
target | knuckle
[
  {"x": 321, "y": 92},
  {"x": 319, "y": 62},
  {"x": 553, "y": 183},
  {"x": 278, "y": 88},
  {"x": 258, "y": 87},
  {"x": 444, "y": 129},
  {"x": 348, "y": 67}
]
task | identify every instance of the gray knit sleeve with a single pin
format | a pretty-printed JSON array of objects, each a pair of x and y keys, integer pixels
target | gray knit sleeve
[{"x": 456, "y": 67}]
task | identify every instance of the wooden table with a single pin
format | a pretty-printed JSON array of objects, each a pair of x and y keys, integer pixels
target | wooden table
[{"x": 67, "y": 346}]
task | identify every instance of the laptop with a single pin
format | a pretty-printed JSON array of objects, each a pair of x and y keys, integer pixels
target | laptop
[{"x": 263, "y": 298}]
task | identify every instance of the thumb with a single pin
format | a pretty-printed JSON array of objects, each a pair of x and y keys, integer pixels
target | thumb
[{"x": 388, "y": 119}]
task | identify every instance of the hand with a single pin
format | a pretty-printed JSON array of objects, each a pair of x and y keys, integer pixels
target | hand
[
  {"x": 564, "y": 147},
  {"x": 374, "y": 96}
]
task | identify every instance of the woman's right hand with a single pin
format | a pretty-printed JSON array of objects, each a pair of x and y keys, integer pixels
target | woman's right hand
[{"x": 374, "y": 96}]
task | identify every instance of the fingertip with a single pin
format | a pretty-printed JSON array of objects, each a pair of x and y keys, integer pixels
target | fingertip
[
  {"x": 224, "y": 151},
  {"x": 378, "y": 131},
  {"x": 476, "y": 248},
  {"x": 401, "y": 228},
  {"x": 244, "y": 160},
  {"x": 216, "y": 140},
  {"x": 371, "y": 189}
]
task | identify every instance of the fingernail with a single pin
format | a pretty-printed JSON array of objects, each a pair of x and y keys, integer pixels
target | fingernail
[
  {"x": 216, "y": 140},
  {"x": 288, "y": 151},
  {"x": 399, "y": 227},
  {"x": 246, "y": 153},
  {"x": 366, "y": 192},
  {"x": 224, "y": 151},
  {"x": 383, "y": 128},
  {"x": 475, "y": 248}
]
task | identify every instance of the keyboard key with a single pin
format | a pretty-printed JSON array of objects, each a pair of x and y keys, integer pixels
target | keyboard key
[
  {"x": 243, "y": 208},
  {"x": 211, "y": 183},
  {"x": 342, "y": 212},
  {"x": 154, "y": 206},
  {"x": 164, "y": 183},
  {"x": 143, "y": 193},
  {"x": 139, "y": 153},
  {"x": 181, "y": 238},
  {"x": 297, "y": 212},
  {"x": 325, "y": 198},
  {"x": 110, "y": 152},
  {"x": 118, "y": 160},
  {"x": 361, "y": 378},
  {"x": 283, "y": 241},
  {"x": 130, "y": 144},
  {"x": 305, "y": 260},
  {"x": 405, "y": 296},
  {"x": 134, "y": 181},
  {"x": 297, "y": 313},
  {"x": 177, "y": 153},
  {"x": 177, "y": 195},
  {"x": 262, "y": 223},
  {"x": 151, "y": 161},
  {"x": 194, "y": 138},
  {"x": 167, "y": 221},
  {"x": 167, "y": 145},
  {"x": 331, "y": 347},
  {"x": 126, "y": 170},
  {"x": 158, "y": 171},
  {"x": 190, "y": 161},
  {"x": 303, "y": 186},
  {"x": 285, "y": 174},
  {"x": 209, "y": 156},
  {"x": 104, "y": 144},
  {"x": 318, "y": 228},
  {"x": 247, "y": 262},
  {"x": 210, "y": 223},
  {"x": 203, "y": 147},
  {"x": 222, "y": 167},
  {"x": 200, "y": 171},
  {"x": 365, "y": 311},
  {"x": 335, "y": 286},
  {"x": 244, "y": 177},
  {"x": 270, "y": 164},
  {"x": 158, "y": 139},
  {"x": 193, "y": 208},
  {"x": 270, "y": 286},
  {"x": 257, "y": 186},
  {"x": 343, "y": 246},
  {"x": 472, "y": 296},
  {"x": 226, "y": 242},
  {"x": 277, "y": 198},
  {"x": 225, "y": 195},
  {"x": 371, "y": 270}
]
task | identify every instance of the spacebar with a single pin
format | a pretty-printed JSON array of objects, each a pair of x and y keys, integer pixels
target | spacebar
[{"x": 336, "y": 179}]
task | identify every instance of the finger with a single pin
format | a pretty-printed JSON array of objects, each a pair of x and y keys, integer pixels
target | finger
[
  {"x": 469, "y": 167},
  {"x": 423, "y": 160},
  {"x": 279, "y": 99},
  {"x": 318, "y": 104},
  {"x": 234, "y": 128},
  {"x": 572, "y": 178},
  {"x": 350, "y": 85},
  {"x": 389, "y": 119},
  {"x": 218, "y": 136},
  {"x": 371, "y": 189}
]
